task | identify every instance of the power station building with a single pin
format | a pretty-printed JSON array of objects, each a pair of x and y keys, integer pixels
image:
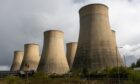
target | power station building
[
  {"x": 96, "y": 45},
  {"x": 31, "y": 57},
  {"x": 96, "y": 48},
  {"x": 17, "y": 60},
  {"x": 119, "y": 61},
  {"x": 71, "y": 51},
  {"x": 53, "y": 58}
]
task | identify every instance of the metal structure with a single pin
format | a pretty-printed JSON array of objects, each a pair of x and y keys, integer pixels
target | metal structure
[
  {"x": 71, "y": 51},
  {"x": 95, "y": 44},
  {"x": 31, "y": 57},
  {"x": 17, "y": 60},
  {"x": 53, "y": 59}
]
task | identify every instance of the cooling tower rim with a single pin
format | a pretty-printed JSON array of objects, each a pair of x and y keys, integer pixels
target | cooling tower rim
[
  {"x": 84, "y": 7},
  {"x": 71, "y": 43},
  {"x": 53, "y": 31},
  {"x": 30, "y": 44}
]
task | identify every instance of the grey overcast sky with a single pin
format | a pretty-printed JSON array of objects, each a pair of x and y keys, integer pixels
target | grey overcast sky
[{"x": 24, "y": 21}]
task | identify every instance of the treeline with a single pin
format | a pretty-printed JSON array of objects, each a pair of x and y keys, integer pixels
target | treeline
[
  {"x": 106, "y": 76},
  {"x": 137, "y": 64}
]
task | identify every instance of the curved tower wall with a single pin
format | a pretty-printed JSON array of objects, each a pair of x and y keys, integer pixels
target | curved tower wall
[
  {"x": 119, "y": 60},
  {"x": 71, "y": 51},
  {"x": 31, "y": 57},
  {"x": 94, "y": 49},
  {"x": 17, "y": 60},
  {"x": 53, "y": 58}
]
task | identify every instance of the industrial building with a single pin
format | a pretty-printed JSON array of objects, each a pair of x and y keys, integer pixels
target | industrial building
[
  {"x": 119, "y": 61},
  {"x": 17, "y": 60},
  {"x": 53, "y": 58},
  {"x": 96, "y": 48},
  {"x": 70, "y": 53},
  {"x": 31, "y": 57}
]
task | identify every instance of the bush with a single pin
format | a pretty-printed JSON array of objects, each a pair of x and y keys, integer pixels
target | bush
[
  {"x": 13, "y": 80},
  {"x": 40, "y": 75},
  {"x": 106, "y": 76},
  {"x": 134, "y": 76},
  {"x": 38, "y": 78}
]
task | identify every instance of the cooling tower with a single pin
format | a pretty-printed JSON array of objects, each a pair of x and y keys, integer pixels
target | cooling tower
[
  {"x": 94, "y": 51},
  {"x": 53, "y": 59},
  {"x": 118, "y": 60},
  {"x": 71, "y": 50},
  {"x": 17, "y": 60},
  {"x": 31, "y": 57}
]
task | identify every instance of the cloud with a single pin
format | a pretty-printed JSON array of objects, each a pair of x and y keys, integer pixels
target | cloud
[
  {"x": 133, "y": 50},
  {"x": 24, "y": 21},
  {"x": 79, "y": 1},
  {"x": 129, "y": 60},
  {"x": 130, "y": 53}
]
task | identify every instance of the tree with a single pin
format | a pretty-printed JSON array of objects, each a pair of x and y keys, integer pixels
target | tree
[
  {"x": 133, "y": 65},
  {"x": 138, "y": 63}
]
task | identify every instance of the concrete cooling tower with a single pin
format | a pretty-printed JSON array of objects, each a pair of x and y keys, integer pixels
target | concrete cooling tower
[
  {"x": 119, "y": 61},
  {"x": 31, "y": 57},
  {"x": 94, "y": 51},
  {"x": 53, "y": 59},
  {"x": 17, "y": 60},
  {"x": 71, "y": 51}
]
